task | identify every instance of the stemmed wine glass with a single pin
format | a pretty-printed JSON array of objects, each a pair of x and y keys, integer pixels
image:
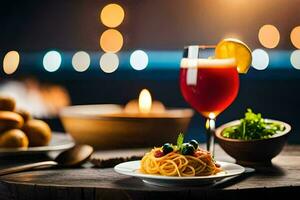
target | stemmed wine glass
[{"x": 209, "y": 85}]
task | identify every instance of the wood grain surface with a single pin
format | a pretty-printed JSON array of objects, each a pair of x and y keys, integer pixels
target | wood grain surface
[{"x": 93, "y": 183}]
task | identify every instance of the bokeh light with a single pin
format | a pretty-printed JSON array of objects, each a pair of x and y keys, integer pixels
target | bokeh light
[
  {"x": 81, "y": 61},
  {"x": 260, "y": 59},
  {"x": 11, "y": 62},
  {"x": 109, "y": 62},
  {"x": 52, "y": 61},
  {"x": 111, "y": 41},
  {"x": 139, "y": 60},
  {"x": 295, "y": 59},
  {"x": 295, "y": 37},
  {"x": 112, "y": 15},
  {"x": 269, "y": 36}
]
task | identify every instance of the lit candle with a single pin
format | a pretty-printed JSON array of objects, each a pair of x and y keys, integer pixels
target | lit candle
[
  {"x": 145, "y": 101},
  {"x": 144, "y": 105}
]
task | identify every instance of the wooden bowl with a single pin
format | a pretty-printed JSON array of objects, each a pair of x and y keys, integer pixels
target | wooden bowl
[
  {"x": 106, "y": 126},
  {"x": 253, "y": 152}
]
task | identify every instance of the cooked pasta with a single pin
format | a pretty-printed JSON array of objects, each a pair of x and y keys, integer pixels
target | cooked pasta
[{"x": 176, "y": 164}]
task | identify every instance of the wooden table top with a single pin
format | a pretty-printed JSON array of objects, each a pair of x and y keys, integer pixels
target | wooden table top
[{"x": 94, "y": 183}]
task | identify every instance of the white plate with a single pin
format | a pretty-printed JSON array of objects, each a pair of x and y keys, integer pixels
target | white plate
[
  {"x": 132, "y": 169},
  {"x": 59, "y": 142}
]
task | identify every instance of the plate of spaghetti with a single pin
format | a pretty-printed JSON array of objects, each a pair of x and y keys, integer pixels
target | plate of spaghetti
[{"x": 181, "y": 164}]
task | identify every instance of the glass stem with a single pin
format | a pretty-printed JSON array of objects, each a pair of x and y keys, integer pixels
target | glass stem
[{"x": 210, "y": 134}]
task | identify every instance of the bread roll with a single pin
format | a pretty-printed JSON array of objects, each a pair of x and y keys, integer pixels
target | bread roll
[
  {"x": 25, "y": 115},
  {"x": 10, "y": 120},
  {"x": 7, "y": 103},
  {"x": 13, "y": 138},
  {"x": 38, "y": 132}
]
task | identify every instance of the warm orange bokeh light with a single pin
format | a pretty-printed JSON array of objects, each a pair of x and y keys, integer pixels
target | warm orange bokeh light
[
  {"x": 295, "y": 37},
  {"x": 111, "y": 41},
  {"x": 11, "y": 62},
  {"x": 269, "y": 36},
  {"x": 112, "y": 15}
]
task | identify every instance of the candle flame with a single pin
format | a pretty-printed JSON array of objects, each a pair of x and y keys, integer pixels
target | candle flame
[{"x": 145, "y": 101}]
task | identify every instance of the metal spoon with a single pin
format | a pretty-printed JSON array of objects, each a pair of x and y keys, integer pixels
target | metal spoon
[{"x": 75, "y": 156}]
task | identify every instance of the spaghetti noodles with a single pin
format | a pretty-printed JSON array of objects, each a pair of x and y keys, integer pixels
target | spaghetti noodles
[{"x": 200, "y": 163}]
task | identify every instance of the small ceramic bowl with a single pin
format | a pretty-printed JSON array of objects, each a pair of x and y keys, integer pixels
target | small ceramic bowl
[
  {"x": 253, "y": 152},
  {"x": 106, "y": 126}
]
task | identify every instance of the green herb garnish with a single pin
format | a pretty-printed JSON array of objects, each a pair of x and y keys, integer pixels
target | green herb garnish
[
  {"x": 180, "y": 140},
  {"x": 252, "y": 127}
]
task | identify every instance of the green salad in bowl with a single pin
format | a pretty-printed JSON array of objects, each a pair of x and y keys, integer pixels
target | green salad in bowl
[
  {"x": 253, "y": 127},
  {"x": 253, "y": 139}
]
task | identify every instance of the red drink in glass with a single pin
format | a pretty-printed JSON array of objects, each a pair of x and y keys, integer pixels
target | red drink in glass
[{"x": 209, "y": 85}]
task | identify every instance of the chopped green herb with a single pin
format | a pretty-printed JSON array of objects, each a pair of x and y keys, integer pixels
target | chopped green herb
[
  {"x": 252, "y": 127},
  {"x": 180, "y": 140}
]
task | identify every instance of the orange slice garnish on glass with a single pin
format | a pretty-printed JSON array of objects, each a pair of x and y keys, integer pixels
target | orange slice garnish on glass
[{"x": 234, "y": 48}]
